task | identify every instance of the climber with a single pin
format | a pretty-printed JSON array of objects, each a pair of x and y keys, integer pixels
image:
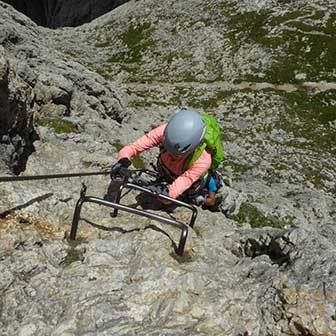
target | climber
[{"x": 191, "y": 150}]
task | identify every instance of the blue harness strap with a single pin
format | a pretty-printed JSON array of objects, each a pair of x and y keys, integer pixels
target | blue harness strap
[{"x": 212, "y": 181}]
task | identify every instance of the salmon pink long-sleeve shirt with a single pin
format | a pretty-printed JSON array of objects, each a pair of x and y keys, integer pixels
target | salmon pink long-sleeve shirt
[{"x": 175, "y": 164}]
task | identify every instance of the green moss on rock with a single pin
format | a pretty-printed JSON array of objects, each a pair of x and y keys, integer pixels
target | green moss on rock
[
  {"x": 210, "y": 103},
  {"x": 117, "y": 145},
  {"x": 72, "y": 256},
  {"x": 59, "y": 125},
  {"x": 250, "y": 214},
  {"x": 309, "y": 116},
  {"x": 138, "y": 162},
  {"x": 102, "y": 44},
  {"x": 137, "y": 39}
]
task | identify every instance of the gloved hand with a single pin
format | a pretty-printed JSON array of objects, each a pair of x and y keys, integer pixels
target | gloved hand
[
  {"x": 163, "y": 190},
  {"x": 118, "y": 166},
  {"x": 199, "y": 200},
  {"x": 159, "y": 189}
]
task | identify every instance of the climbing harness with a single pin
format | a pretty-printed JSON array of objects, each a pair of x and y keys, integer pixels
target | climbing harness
[
  {"x": 126, "y": 180},
  {"x": 197, "y": 190}
]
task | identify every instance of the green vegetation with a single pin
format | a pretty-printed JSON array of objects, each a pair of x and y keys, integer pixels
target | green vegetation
[
  {"x": 299, "y": 41},
  {"x": 103, "y": 44},
  {"x": 250, "y": 214},
  {"x": 304, "y": 52},
  {"x": 247, "y": 27},
  {"x": 308, "y": 116},
  {"x": 170, "y": 57},
  {"x": 73, "y": 53},
  {"x": 137, "y": 161},
  {"x": 137, "y": 39},
  {"x": 314, "y": 176},
  {"x": 209, "y": 103},
  {"x": 59, "y": 125},
  {"x": 297, "y": 46},
  {"x": 117, "y": 145},
  {"x": 188, "y": 77},
  {"x": 72, "y": 256}
]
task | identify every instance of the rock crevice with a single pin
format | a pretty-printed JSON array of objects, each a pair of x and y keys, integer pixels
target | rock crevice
[{"x": 16, "y": 122}]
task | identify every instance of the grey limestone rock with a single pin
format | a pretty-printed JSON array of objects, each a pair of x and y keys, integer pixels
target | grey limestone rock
[
  {"x": 266, "y": 267},
  {"x": 16, "y": 128},
  {"x": 38, "y": 80}
]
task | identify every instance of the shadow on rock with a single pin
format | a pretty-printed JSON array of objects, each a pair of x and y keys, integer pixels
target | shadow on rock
[
  {"x": 277, "y": 248},
  {"x": 122, "y": 230},
  {"x": 25, "y": 205}
]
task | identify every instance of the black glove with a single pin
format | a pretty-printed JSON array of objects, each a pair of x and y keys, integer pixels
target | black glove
[
  {"x": 118, "y": 166},
  {"x": 161, "y": 189}
]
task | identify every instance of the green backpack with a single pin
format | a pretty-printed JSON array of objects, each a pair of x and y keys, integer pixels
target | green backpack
[{"x": 211, "y": 141}]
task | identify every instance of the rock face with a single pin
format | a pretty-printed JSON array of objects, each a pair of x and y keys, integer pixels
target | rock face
[
  {"x": 62, "y": 13},
  {"x": 37, "y": 80},
  {"x": 265, "y": 69},
  {"x": 16, "y": 119}
]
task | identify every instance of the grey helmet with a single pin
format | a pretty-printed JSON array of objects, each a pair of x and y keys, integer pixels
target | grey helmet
[{"x": 183, "y": 133}]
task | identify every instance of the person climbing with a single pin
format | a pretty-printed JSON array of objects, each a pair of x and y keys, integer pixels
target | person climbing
[{"x": 191, "y": 150}]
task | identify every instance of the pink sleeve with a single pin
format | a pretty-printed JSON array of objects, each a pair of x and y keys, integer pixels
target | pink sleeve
[
  {"x": 149, "y": 140},
  {"x": 194, "y": 173}
]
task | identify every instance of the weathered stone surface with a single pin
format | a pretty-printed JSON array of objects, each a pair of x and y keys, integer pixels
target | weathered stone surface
[
  {"x": 37, "y": 80},
  {"x": 16, "y": 129},
  {"x": 300, "y": 297},
  {"x": 268, "y": 269}
]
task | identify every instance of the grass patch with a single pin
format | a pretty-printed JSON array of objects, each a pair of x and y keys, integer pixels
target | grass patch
[
  {"x": 72, "y": 53},
  {"x": 188, "y": 77},
  {"x": 317, "y": 63},
  {"x": 250, "y": 214},
  {"x": 103, "y": 44},
  {"x": 246, "y": 27},
  {"x": 299, "y": 41},
  {"x": 210, "y": 103},
  {"x": 309, "y": 116},
  {"x": 137, "y": 40},
  {"x": 59, "y": 125},
  {"x": 72, "y": 256},
  {"x": 237, "y": 167},
  {"x": 117, "y": 145},
  {"x": 314, "y": 176},
  {"x": 138, "y": 162},
  {"x": 308, "y": 49}
]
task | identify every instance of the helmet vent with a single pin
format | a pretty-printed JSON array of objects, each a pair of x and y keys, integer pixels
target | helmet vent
[{"x": 185, "y": 148}]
